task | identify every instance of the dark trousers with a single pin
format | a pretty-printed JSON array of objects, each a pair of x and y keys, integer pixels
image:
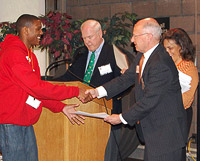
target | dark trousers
[
  {"x": 189, "y": 112},
  {"x": 112, "y": 147},
  {"x": 171, "y": 156}
]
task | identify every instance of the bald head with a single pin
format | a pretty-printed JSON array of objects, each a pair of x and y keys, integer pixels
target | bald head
[
  {"x": 150, "y": 25},
  {"x": 146, "y": 34},
  {"x": 91, "y": 24}
]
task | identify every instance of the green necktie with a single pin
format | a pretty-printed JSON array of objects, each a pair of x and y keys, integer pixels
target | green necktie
[{"x": 89, "y": 71}]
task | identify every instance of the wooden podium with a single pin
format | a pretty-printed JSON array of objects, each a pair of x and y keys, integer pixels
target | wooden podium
[{"x": 59, "y": 140}]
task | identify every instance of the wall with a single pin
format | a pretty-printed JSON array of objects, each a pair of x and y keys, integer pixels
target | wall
[
  {"x": 10, "y": 10},
  {"x": 182, "y": 13}
]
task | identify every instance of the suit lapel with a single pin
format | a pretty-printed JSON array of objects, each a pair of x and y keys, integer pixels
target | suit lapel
[
  {"x": 83, "y": 64},
  {"x": 137, "y": 66},
  {"x": 150, "y": 59}
]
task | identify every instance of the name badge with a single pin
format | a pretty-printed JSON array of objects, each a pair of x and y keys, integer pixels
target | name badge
[
  {"x": 33, "y": 102},
  {"x": 105, "y": 69},
  {"x": 137, "y": 69}
]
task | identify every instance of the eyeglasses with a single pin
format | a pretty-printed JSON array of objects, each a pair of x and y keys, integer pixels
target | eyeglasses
[
  {"x": 90, "y": 36},
  {"x": 139, "y": 35}
]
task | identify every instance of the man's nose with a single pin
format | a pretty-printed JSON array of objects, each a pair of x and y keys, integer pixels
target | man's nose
[{"x": 132, "y": 39}]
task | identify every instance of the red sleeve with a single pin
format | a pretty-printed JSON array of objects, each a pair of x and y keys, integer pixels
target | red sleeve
[
  {"x": 54, "y": 106},
  {"x": 22, "y": 74}
]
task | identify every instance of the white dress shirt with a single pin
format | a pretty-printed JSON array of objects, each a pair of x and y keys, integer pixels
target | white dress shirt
[{"x": 97, "y": 53}]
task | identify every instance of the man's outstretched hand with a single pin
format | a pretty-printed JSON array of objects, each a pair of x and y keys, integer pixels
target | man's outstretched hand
[
  {"x": 93, "y": 92},
  {"x": 68, "y": 110},
  {"x": 83, "y": 96}
]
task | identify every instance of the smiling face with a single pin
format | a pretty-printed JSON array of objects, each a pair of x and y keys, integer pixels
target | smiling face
[
  {"x": 34, "y": 33},
  {"x": 173, "y": 49}
]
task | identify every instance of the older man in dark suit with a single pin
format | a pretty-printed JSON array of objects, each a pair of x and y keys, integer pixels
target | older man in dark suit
[
  {"x": 95, "y": 64},
  {"x": 158, "y": 112}
]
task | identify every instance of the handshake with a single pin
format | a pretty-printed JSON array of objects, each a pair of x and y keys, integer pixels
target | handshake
[
  {"x": 84, "y": 96},
  {"x": 87, "y": 95}
]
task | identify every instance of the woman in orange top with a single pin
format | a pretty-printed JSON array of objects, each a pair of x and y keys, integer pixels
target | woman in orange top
[{"x": 179, "y": 46}]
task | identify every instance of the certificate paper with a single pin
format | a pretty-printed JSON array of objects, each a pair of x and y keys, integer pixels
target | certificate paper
[
  {"x": 101, "y": 115},
  {"x": 120, "y": 58}
]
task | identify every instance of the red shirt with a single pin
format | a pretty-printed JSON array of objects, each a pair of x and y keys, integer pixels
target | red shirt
[{"x": 19, "y": 79}]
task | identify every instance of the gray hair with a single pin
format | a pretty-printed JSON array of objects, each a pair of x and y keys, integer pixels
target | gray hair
[
  {"x": 93, "y": 24},
  {"x": 154, "y": 28}
]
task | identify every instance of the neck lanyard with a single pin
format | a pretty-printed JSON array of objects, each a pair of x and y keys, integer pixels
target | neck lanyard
[{"x": 30, "y": 57}]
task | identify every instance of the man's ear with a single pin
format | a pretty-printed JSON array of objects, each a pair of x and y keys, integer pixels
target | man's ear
[
  {"x": 100, "y": 33},
  {"x": 24, "y": 30},
  {"x": 150, "y": 36}
]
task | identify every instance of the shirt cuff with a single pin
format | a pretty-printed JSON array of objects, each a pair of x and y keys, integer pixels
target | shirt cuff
[
  {"x": 122, "y": 119},
  {"x": 101, "y": 91}
]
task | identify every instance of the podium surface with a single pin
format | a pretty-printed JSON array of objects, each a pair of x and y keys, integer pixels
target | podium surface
[{"x": 59, "y": 140}]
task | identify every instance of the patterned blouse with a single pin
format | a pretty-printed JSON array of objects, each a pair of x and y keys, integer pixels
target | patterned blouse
[{"x": 188, "y": 68}]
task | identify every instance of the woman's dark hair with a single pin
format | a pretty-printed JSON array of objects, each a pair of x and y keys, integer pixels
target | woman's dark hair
[
  {"x": 25, "y": 20},
  {"x": 182, "y": 39}
]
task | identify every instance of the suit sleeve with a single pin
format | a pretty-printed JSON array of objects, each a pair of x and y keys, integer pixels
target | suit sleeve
[{"x": 121, "y": 83}]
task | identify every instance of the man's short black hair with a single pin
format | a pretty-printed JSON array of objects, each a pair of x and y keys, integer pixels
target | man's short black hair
[{"x": 25, "y": 20}]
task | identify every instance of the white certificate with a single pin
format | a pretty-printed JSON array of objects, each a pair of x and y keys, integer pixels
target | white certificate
[{"x": 101, "y": 115}]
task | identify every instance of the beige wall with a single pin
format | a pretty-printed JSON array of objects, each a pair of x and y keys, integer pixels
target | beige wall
[{"x": 10, "y": 10}]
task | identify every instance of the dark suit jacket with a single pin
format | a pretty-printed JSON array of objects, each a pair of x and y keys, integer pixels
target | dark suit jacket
[
  {"x": 79, "y": 65},
  {"x": 158, "y": 106}
]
